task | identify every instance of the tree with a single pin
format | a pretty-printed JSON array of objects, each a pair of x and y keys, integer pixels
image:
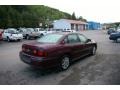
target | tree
[
  {"x": 73, "y": 16},
  {"x": 116, "y": 25},
  {"x": 82, "y": 19},
  {"x": 30, "y": 16}
]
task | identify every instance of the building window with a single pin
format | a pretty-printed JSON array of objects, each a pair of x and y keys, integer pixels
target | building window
[{"x": 72, "y": 26}]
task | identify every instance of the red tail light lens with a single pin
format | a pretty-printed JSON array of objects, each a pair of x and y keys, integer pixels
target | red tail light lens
[
  {"x": 23, "y": 49},
  {"x": 34, "y": 51},
  {"x": 41, "y": 53}
]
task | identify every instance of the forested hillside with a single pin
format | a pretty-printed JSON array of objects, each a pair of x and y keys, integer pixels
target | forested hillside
[{"x": 29, "y": 15}]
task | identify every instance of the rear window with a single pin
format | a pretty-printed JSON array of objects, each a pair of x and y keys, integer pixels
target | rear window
[
  {"x": 50, "y": 38},
  {"x": 31, "y": 29},
  {"x": 12, "y": 31}
]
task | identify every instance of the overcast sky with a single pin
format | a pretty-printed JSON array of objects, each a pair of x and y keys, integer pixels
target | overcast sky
[{"x": 93, "y": 10}]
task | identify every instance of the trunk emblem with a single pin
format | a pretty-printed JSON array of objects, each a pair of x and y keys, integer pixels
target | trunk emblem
[{"x": 28, "y": 50}]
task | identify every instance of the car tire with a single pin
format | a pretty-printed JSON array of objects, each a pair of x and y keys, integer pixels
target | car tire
[
  {"x": 41, "y": 35},
  {"x": 118, "y": 40},
  {"x": 93, "y": 51},
  {"x": 19, "y": 40},
  {"x": 8, "y": 39},
  {"x": 27, "y": 37},
  {"x": 65, "y": 62}
]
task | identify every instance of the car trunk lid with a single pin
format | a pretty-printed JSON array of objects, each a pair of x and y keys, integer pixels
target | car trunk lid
[{"x": 37, "y": 49}]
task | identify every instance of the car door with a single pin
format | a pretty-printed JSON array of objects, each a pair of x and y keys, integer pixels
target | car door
[
  {"x": 86, "y": 45},
  {"x": 73, "y": 43}
]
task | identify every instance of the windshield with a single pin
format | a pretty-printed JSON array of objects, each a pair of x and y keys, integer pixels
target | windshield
[
  {"x": 13, "y": 31},
  {"x": 31, "y": 29},
  {"x": 50, "y": 38}
]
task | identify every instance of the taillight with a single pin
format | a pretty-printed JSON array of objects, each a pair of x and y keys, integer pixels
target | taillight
[
  {"x": 41, "y": 54},
  {"x": 23, "y": 49},
  {"x": 34, "y": 51}
]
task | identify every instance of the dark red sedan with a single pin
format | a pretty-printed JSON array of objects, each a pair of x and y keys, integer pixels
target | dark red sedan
[
  {"x": 57, "y": 49},
  {"x": 1, "y": 35}
]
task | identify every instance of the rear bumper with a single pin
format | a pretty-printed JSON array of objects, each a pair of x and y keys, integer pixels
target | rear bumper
[
  {"x": 112, "y": 38},
  {"x": 39, "y": 62},
  {"x": 19, "y": 38},
  {"x": 0, "y": 38}
]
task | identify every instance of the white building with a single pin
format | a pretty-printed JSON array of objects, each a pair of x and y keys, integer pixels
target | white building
[{"x": 69, "y": 24}]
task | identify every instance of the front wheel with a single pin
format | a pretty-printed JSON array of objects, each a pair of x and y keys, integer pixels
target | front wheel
[
  {"x": 65, "y": 62},
  {"x": 118, "y": 40},
  {"x": 93, "y": 52}
]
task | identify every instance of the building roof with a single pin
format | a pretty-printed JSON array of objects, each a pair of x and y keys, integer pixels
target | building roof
[{"x": 75, "y": 21}]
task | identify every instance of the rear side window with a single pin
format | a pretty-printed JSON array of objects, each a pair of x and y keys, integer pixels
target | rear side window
[
  {"x": 82, "y": 38},
  {"x": 50, "y": 38},
  {"x": 73, "y": 38}
]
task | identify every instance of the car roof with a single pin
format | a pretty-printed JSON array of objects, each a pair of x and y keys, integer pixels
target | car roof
[{"x": 65, "y": 33}]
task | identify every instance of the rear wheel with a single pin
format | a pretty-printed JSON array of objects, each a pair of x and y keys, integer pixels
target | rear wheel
[
  {"x": 27, "y": 37},
  {"x": 19, "y": 40},
  {"x": 65, "y": 62},
  {"x": 8, "y": 39},
  {"x": 41, "y": 35}
]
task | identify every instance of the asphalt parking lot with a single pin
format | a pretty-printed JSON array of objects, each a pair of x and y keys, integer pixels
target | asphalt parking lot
[{"x": 101, "y": 69}]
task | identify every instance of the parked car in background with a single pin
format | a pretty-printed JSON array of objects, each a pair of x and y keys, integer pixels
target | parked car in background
[
  {"x": 12, "y": 34},
  {"x": 111, "y": 31},
  {"x": 1, "y": 31},
  {"x": 43, "y": 32},
  {"x": 118, "y": 30},
  {"x": 68, "y": 30},
  {"x": 115, "y": 36},
  {"x": 22, "y": 31},
  {"x": 29, "y": 33},
  {"x": 57, "y": 49}
]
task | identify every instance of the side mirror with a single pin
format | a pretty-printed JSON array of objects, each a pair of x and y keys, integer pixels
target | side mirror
[{"x": 88, "y": 40}]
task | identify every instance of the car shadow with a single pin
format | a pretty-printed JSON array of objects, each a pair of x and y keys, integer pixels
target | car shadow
[
  {"x": 115, "y": 42},
  {"x": 37, "y": 73}
]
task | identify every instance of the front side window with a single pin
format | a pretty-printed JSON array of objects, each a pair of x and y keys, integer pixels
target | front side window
[
  {"x": 73, "y": 38},
  {"x": 82, "y": 38},
  {"x": 50, "y": 38}
]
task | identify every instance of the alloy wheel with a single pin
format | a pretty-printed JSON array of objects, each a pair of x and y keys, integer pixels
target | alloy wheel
[
  {"x": 93, "y": 50},
  {"x": 118, "y": 40},
  {"x": 65, "y": 62}
]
